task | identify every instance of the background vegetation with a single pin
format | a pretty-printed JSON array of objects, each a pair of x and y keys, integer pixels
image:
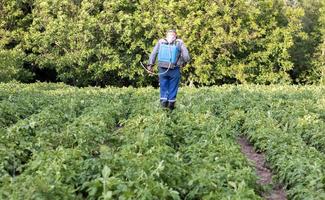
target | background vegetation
[{"x": 97, "y": 42}]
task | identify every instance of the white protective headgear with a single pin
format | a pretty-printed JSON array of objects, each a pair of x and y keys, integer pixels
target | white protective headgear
[{"x": 171, "y": 36}]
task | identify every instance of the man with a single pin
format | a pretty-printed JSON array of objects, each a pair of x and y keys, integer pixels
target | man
[{"x": 172, "y": 55}]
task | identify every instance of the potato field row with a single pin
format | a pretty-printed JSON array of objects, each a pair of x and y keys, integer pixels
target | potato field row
[{"x": 62, "y": 142}]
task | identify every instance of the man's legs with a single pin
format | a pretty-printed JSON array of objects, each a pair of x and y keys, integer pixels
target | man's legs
[
  {"x": 164, "y": 85},
  {"x": 175, "y": 76}
]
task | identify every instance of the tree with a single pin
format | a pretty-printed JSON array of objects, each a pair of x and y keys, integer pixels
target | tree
[
  {"x": 98, "y": 42},
  {"x": 306, "y": 44},
  {"x": 318, "y": 72},
  {"x": 15, "y": 18}
]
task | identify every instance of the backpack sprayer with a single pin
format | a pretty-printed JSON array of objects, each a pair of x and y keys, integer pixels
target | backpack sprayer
[{"x": 167, "y": 53}]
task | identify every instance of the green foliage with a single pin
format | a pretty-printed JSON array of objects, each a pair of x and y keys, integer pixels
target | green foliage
[
  {"x": 319, "y": 65},
  {"x": 306, "y": 43},
  {"x": 15, "y": 18},
  {"x": 97, "y": 42},
  {"x": 11, "y": 67},
  {"x": 103, "y": 144},
  {"x": 242, "y": 42},
  {"x": 306, "y": 53},
  {"x": 117, "y": 143}
]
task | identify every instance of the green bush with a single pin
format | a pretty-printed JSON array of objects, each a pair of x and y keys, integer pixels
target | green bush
[
  {"x": 97, "y": 42},
  {"x": 319, "y": 72},
  {"x": 11, "y": 67}
]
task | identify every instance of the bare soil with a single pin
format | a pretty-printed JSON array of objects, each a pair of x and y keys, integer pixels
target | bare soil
[{"x": 262, "y": 171}]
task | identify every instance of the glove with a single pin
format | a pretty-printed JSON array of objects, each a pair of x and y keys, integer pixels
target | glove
[
  {"x": 150, "y": 68},
  {"x": 183, "y": 65}
]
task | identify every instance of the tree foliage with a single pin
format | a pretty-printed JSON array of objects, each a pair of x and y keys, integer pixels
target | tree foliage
[
  {"x": 319, "y": 64},
  {"x": 97, "y": 42}
]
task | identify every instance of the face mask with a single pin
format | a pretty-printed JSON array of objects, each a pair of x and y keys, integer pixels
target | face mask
[{"x": 171, "y": 37}]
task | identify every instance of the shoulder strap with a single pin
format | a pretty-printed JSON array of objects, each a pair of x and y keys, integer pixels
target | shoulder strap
[{"x": 179, "y": 50}]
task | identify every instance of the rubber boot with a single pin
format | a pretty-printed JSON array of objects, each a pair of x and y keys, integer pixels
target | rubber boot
[
  {"x": 164, "y": 104},
  {"x": 171, "y": 105}
]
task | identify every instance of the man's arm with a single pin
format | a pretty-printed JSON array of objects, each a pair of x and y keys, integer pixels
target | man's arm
[
  {"x": 153, "y": 55},
  {"x": 185, "y": 53}
]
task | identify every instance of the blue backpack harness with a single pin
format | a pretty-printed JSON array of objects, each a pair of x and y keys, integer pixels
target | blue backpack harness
[{"x": 169, "y": 53}]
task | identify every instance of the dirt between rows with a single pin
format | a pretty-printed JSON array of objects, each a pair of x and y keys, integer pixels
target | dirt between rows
[{"x": 262, "y": 171}]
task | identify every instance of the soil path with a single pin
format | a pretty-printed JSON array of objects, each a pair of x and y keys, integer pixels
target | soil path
[{"x": 262, "y": 171}]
